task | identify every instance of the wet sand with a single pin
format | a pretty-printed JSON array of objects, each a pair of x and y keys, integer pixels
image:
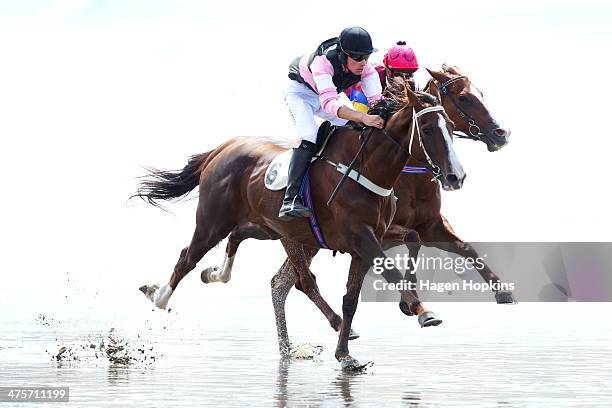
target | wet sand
[{"x": 224, "y": 353}]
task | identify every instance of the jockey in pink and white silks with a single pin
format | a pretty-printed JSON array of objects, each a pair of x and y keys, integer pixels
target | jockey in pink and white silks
[{"x": 316, "y": 88}]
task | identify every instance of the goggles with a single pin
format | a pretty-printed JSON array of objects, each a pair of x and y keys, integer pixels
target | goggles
[
  {"x": 358, "y": 58},
  {"x": 401, "y": 72}
]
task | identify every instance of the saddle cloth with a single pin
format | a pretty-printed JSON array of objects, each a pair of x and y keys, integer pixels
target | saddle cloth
[{"x": 277, "y": 172}]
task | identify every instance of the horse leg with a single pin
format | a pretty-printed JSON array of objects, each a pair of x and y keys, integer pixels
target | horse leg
[
  {"x": 413, "y": 244},
  {"x": 239, "y": 234},
  {"x": 396, "y": 236},
  {"x": 314, "y": 294},
  {"x": 281, "y": 284},
  {"x": 300, "y": 258},
  {"x": 442, "y": 236},
  {"x": 224, "y": 273},
  {"x": 206, "y": 235},
  {"x": 357, "y": 272},
  {"x": 367, "y": 246}
]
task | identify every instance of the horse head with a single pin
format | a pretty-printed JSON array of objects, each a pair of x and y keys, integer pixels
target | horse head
[
  {"x": 425, "y": 131},
  {"x": 466, "y": 107}
]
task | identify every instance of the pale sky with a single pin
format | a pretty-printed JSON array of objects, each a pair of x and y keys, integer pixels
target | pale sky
[{"x": 92, "y": 90}]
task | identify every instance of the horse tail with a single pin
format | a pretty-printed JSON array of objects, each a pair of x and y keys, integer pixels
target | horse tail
[{"x": 164, "y": 185}]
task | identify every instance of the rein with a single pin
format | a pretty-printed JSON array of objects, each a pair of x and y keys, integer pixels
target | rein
[
  {"x": 346, "y": 174},
  {"x": 365, "y": 139},
  {"x": 474, "y": 130}
]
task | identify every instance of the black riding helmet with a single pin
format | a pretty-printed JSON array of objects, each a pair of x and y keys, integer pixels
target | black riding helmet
[{"x": 356, "y": 41}]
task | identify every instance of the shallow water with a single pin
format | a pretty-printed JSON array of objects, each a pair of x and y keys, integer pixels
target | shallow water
[{"x": 225, "y": 354}]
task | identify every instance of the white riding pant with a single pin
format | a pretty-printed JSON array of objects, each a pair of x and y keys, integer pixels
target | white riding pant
[{"x": 304, "y": 105}]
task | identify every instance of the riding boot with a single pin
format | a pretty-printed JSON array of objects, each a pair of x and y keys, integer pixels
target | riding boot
[{"x": 293, "y": 207}]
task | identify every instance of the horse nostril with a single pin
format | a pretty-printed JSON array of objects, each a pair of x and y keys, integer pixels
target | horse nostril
[
  {"x": 501, "y": 132},
  {"x": 452, "y": 179}
]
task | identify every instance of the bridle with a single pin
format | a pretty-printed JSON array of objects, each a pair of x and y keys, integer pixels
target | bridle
[
  {"x": 474, "y": 130},
  {"x": 435, "y": 169},
  {"x": 365, "y": 138}
]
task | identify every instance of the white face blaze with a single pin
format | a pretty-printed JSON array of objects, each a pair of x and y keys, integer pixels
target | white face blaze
[
  {"x": 444, "y": 129},
  {"x": 455, "y": 165}
]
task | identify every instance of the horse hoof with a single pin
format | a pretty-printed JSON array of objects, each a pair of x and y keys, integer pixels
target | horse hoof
[
  {"x": 353, "y": 335},
  {"x": 505, "y": 298},
  {"x": 429, "y": 318},
  {"x": 149, "y": 291},
  {"x": 405, "y": 309},
  {"x": 159, "y": 296},
  {"x": 351, "y": 365},
  {"x": 204, "y": 275},
  {"x": 348, "y": 363}
]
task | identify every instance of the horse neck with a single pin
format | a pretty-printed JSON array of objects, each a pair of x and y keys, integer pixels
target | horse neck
[{"x": 383, "y": 159}]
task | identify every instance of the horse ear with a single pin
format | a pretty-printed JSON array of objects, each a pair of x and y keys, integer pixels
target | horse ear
[
  {"x": 413, "y": 98},
  {"x": 451, "y": 69},
  {"x": 438, "y": 76}
]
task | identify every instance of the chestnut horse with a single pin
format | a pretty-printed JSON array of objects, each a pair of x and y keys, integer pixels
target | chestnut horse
[
  {"x": 233, "y": 197},
  {"x": 419, "y": 207},
  {"x": 465, "y": 105}
]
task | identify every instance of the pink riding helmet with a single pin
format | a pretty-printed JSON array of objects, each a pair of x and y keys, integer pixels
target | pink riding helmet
[{"x": 401, "y": 57}]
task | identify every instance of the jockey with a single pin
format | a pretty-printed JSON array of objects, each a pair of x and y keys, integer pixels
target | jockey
[
  {"x": 398, "y": 61},
  {"x": 316, "y": 88}
]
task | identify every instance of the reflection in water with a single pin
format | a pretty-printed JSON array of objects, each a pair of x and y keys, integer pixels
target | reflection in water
[
  {"x": 308, "y": 383},
  {"x": 412, "y": 399},
  {"x": 343, "y": 383},
  {"x": 118, "y": 375},
  {"x": 296, "y": 390},
  {"x": 281, "y": 382}
]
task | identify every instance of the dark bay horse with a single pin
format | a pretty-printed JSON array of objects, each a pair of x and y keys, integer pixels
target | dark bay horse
[
  {"x": 233, "y": 196},
  {"x": 418, "y": 205}
]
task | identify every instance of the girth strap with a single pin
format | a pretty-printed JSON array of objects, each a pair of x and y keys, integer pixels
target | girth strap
[
  {"x": 361, "y": 179},
  {"x": 313, "y": 221}
]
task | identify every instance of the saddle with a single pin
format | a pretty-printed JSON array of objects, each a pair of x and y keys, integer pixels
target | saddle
[{"x": 277, "y": 172}]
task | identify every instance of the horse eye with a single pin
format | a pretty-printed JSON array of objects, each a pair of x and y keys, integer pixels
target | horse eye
[
  {"x": 463, "y": 98},
  {"x": 427, "y": 131}
]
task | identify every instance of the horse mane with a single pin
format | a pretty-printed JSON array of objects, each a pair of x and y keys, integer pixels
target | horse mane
[
  {"x": 396, "y": 98},
  {"x": 451, "y": 69}
]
